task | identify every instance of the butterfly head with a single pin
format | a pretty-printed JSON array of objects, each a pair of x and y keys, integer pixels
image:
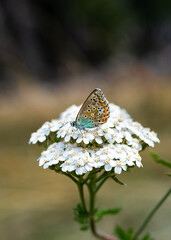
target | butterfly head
[
  {"x": 74, "y": 124},
  {"x": 78, "y": 124}
]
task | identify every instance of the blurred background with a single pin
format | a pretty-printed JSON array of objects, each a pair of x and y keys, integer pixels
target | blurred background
[{"x": 52, "y": 55}]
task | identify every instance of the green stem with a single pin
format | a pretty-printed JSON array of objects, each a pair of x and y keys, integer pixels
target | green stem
[
  {"x": 70, "y": 176},
  {"x": 58, "y": 170},
  {"x": 92, "y": 193},
  {"x": 81, "y": 192},
  {"x": 101, "y": 176},
  {"x": 93, "y": 172},
  {"x": 101, "y": 183},
  {"x": 152, "y": 213},
  {"x": 100, "y": 235},
  {"x": 91, "y": 187}
]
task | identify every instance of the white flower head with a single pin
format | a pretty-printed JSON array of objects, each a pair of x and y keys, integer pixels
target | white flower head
[{"x": 112, "y": 146}]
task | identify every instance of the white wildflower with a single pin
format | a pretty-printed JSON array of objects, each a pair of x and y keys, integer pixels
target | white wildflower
[
  {"x": 37, "y": 137},
  {"x": 97, "y": 161},
  {"x": 68, "y": 166},
  {"x": 114, "y": 145},
  {"x": 85, "y": 136},
  {"x": 119, "y": 165},
  {"x": 97, "y": 136}
]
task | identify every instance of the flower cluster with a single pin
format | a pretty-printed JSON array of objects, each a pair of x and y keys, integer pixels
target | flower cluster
[{"x": 113, "y": 145}]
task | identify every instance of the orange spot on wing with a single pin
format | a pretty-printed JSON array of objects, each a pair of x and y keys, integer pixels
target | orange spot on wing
[
  {"x": 105, "y": 115},
  {"x": 105, "y": 111},
  {"x": 104, "y": 120},
  {"x": 104, "y": 105}
]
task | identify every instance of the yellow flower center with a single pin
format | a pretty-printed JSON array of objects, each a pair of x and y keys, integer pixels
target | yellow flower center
[
  {"x": 119, "y": 163},
  {"x": 107, "y": 160},
  {"x": 86, "y": 160},
  {"x": 106, "y": 150}
]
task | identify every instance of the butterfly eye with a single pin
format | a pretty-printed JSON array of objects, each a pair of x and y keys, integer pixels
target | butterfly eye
[
  {"x": 85, "y": 116},
  {"x": 88, "y": 106},
  {"x": 98, "y": 108},
  {"x": 99, "y": 121},
  {"x": 90, "y": 118},
  {"x": 89, "y": 110},
  {"x": 94, "y": 108},
  {"x": 99, "y": 113}
]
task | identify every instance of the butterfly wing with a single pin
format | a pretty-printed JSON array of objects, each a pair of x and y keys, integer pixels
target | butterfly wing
[{"x": 94, "y": 111}]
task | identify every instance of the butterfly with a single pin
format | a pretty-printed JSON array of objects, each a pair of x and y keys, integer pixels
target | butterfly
[{"x": 94, "y": 111}]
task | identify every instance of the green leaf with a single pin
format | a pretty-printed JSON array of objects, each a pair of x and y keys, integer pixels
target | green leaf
[
  {"x": 122, "y": 234},
  {"x": 117, "y": 180},
  {"x": 81, "y": 217},
  {"x": 147, "y": 237},
  {"x": 130, "y": 232},
  {"x": 103, "y": 212},
  {"x": 84, "y": 228},
  {"x": 160, "y": 160},
  {"x": 168, "y": 174},
  {"x": 128, "y": 235}
]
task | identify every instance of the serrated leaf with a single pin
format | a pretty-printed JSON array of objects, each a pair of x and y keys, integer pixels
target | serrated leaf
[
  {"x": 160, "y": 160},
  {"x": 103, "y": 212},
  {"x": 122, "y": 234},
  {"x": 147, "y": 237},
  {"x": 117, "y": 180},
  {"x": 128, "y": 235},
  {"x": 130, "y": 232},
  {"x": 81, "y": 217},
  {"x": 84, "y": 228}
]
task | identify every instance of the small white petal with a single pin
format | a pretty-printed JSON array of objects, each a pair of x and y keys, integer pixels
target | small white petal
[
  {"x": 98, "y": 140},
  {"x": 85, "y": 140},
  {"x": 118, "y": 170},
  {"x": 79, "y": 140},
  {"x": 108, "y": 167},
  {"x": 67, "y": 138}
]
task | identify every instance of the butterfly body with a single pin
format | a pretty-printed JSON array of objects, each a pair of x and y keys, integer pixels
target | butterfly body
[
  {"x": 94, "y": 112},
  {"x": 82, "y": 124}
]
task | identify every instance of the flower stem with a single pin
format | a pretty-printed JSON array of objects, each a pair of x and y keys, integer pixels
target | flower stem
[
  {"x": 100, "y": 184},
  {"x": 70, "y": 176},
  {"x": 81, "y": 192},
  {"x": 99, "y": 235},
  {"x": 101, "y": 176},
  {"x": 92, "y": 192},
  {"x": 91, "y": 187},
  {"x": 152, "y": 213}
]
